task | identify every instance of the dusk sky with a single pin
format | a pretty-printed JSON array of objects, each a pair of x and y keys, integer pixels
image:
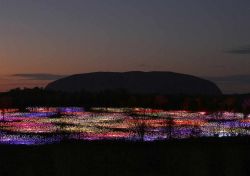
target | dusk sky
[{"x": 41, "y": 40}]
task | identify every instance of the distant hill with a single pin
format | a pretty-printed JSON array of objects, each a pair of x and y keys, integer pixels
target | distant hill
[{"x": 137, "y": 82}]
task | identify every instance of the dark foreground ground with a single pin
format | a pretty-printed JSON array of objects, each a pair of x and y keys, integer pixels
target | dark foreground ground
[{"x": 190, "y": 157}]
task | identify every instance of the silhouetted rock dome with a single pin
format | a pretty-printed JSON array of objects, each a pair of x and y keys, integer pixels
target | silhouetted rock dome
[{"x": 136, "y": 82}]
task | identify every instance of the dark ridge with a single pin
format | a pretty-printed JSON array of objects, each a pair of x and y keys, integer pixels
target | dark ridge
[{"x": 137, "y": 82}]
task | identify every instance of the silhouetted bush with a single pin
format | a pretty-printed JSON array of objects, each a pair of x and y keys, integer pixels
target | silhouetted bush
[
  {"x": 121, "y": 98},
  {"x": 169, "y": 126}
]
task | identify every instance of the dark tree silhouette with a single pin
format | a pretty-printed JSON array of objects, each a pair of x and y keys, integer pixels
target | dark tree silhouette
[
  {"x": 21, "y": 98},
  {"x": 246, "y": 107},
  {"x": 5, "y": 103},
  {"x": 139, "y": 124},
  {"x": 195, "y": 131},
  {"x": 169, "y": 126}
]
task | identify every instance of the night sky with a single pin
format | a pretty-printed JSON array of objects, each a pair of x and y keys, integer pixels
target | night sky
[{"x": 42, "y": 40}]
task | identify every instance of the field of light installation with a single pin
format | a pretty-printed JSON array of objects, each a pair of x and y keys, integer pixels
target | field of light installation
[{"x": 43, "y": 125}]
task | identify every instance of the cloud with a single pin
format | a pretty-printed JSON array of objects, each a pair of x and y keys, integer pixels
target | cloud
[
  {"x": 233, "y": 78},
  {"x": 240, "y": 50},
  {"x": 39, "y": 76},
  {"x": 233, "y": 84},
  {"x": 28, "y": 80}
]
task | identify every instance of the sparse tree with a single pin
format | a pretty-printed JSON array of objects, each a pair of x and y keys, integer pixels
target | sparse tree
[
  {"x": 169, "y": 126},
  {"x": 195, "y": 131},
  {"x": 2, "y": 113},
  {"x": 140, "y": 129},
  {"x": 139, "y": 124},
  {"x": 218, "y": 120},
  {"x": 246, "y": 107},
  {"x": 5, "y": 103}
]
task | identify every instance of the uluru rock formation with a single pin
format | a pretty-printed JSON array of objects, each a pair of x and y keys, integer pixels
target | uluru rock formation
[{"x": 137, "y": 82}]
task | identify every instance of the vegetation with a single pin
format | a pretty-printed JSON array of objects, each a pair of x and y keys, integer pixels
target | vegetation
[
  {"x": 194, "y": 156},
  {"x": 5, "y": 102},
  {"x": 169, "y": 127},
  {"x": 120, "y": 98}
]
